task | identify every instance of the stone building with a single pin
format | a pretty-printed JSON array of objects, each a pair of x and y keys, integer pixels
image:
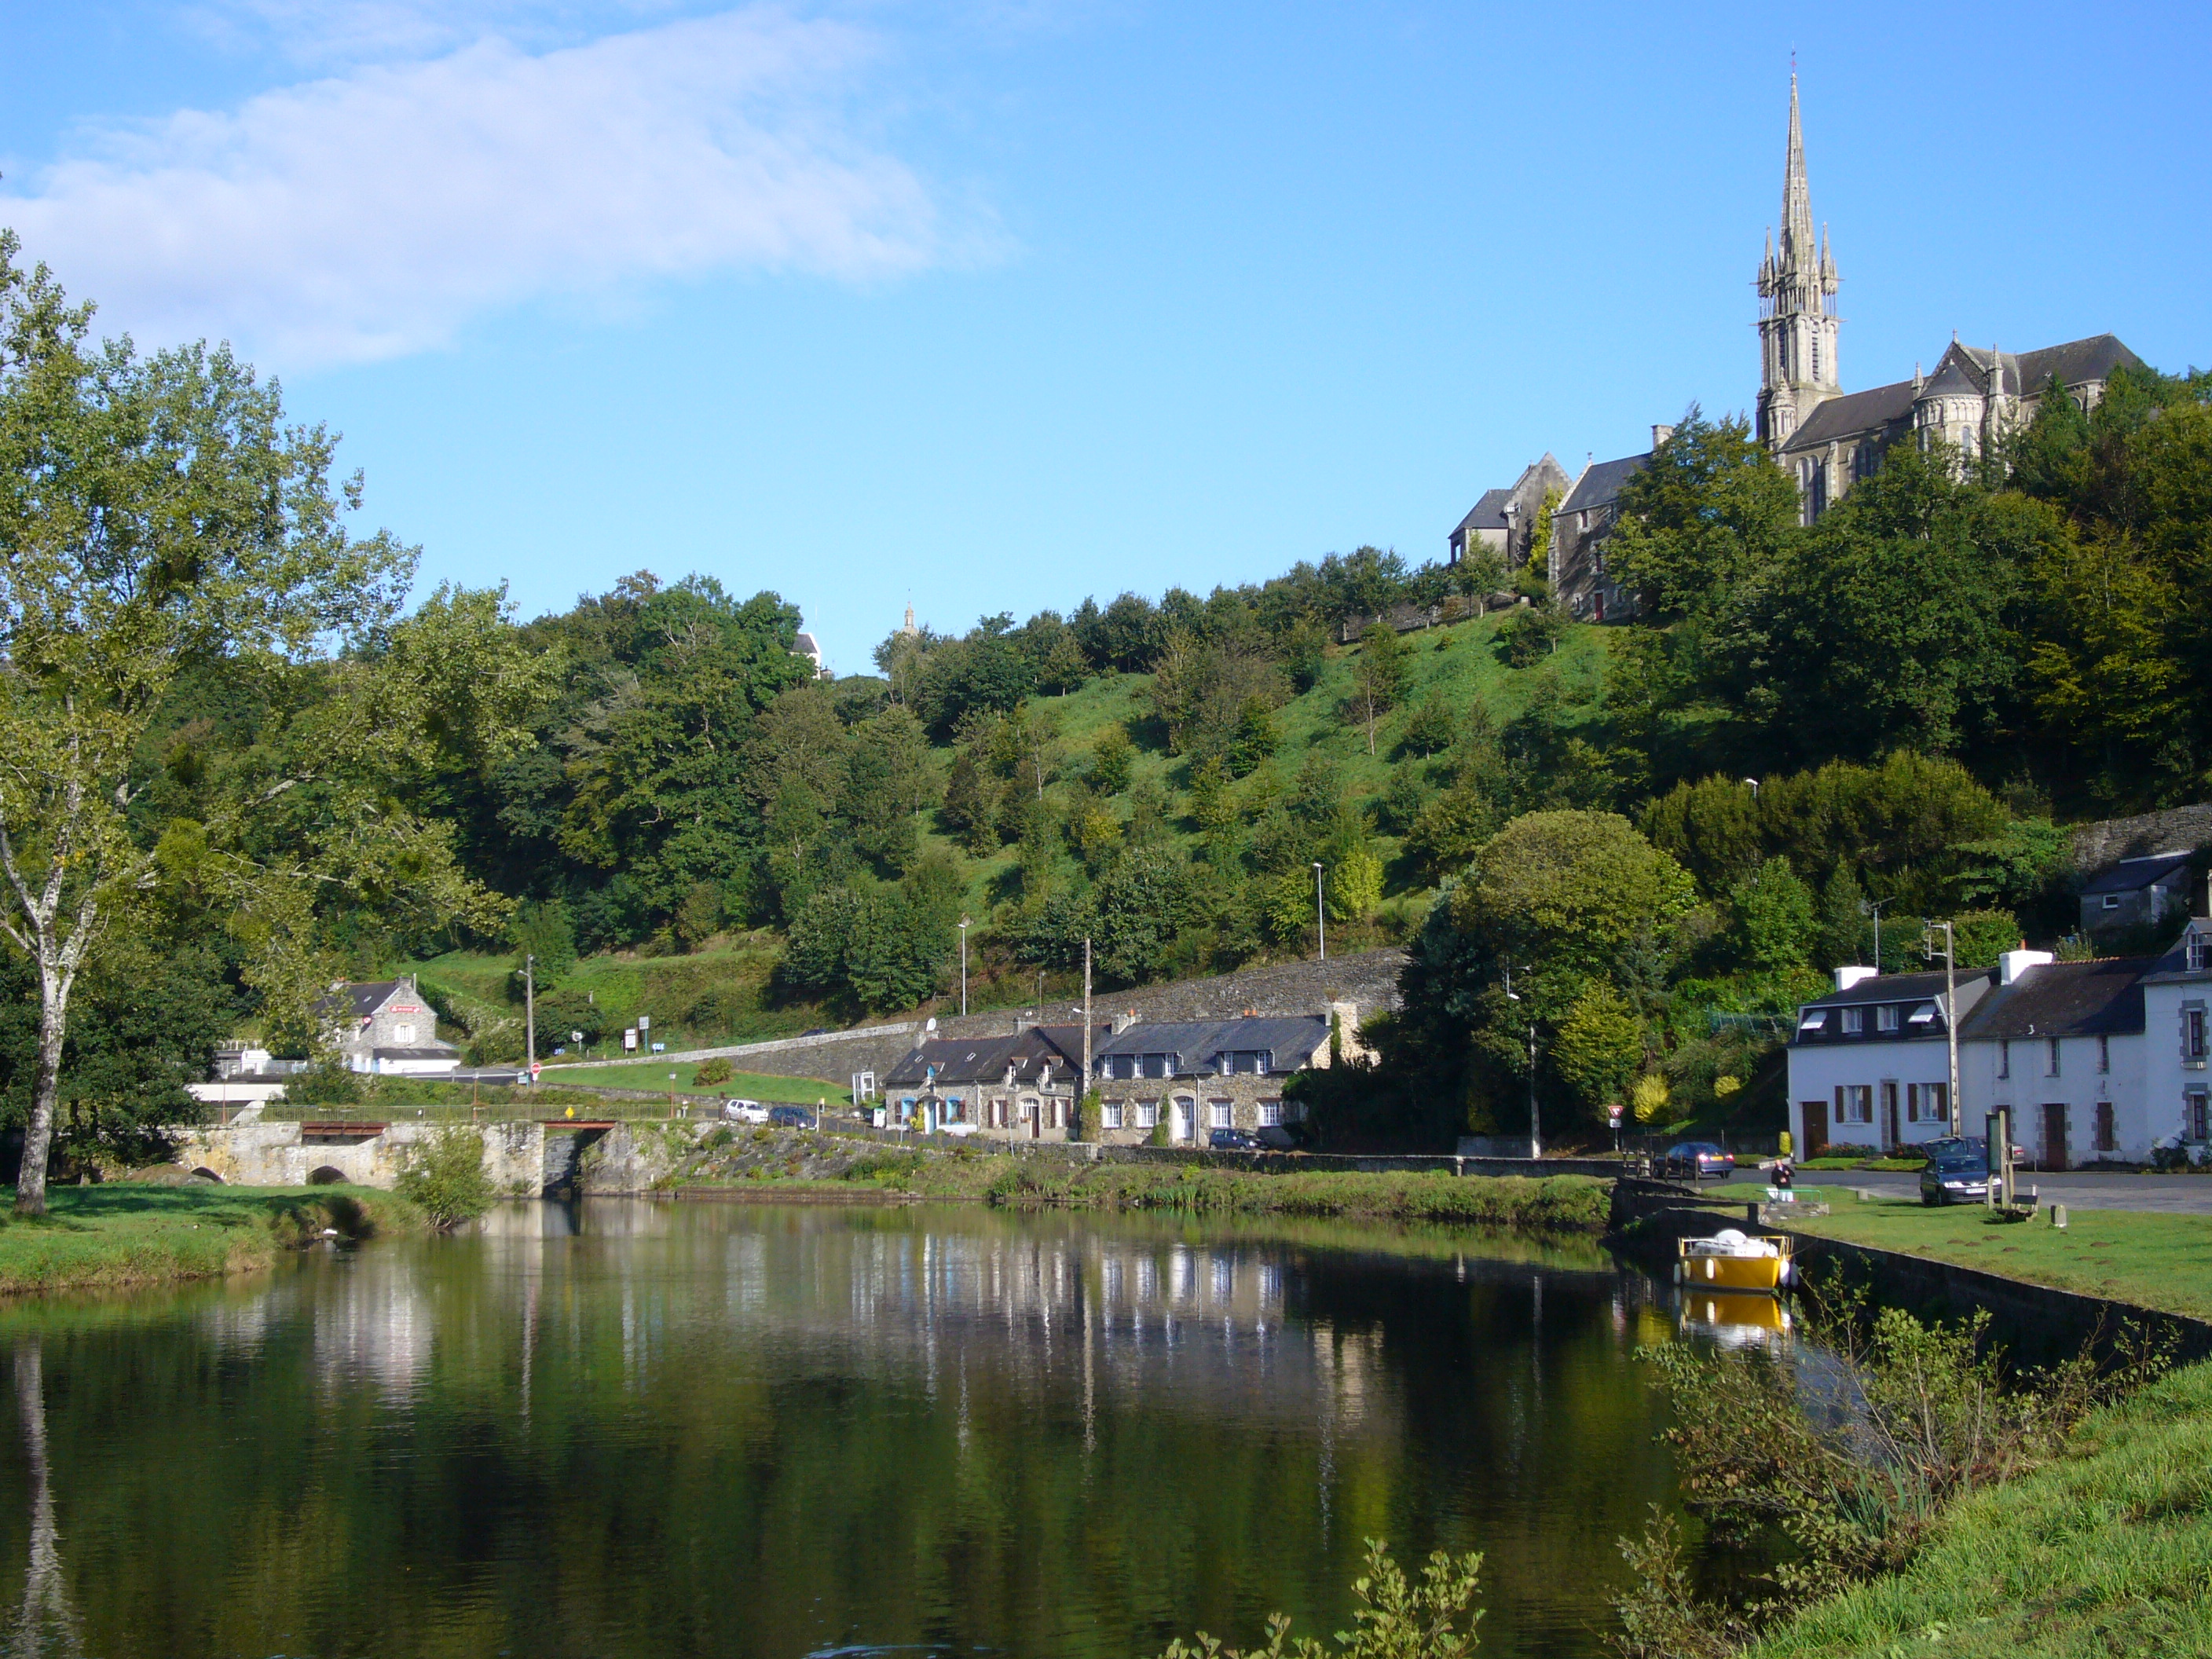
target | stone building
[
  {"x": 1188, "y": 1077},
  {"x": 1505, "y": 519},
  {"x": 1829, "y": 439},
  {"x": 385, "y": 1025},
  {"x": 1021, "y": 1087}
]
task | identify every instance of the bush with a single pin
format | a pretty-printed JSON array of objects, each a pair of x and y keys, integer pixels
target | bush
[
  {"x": 1396, "y": 1620},
  {"x": 326, "y": 1083},
  {"x": 445, "y": 1176},
  {"x": 713, "y": 1073}
]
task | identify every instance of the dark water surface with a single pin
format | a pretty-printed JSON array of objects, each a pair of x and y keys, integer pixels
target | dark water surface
[{"x": 631, "y": 1429}]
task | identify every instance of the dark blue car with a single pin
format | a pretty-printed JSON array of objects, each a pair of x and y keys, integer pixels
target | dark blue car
[{"x": 791, "y": 1117}]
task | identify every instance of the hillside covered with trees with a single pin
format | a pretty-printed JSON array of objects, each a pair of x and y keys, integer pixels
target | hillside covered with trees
[{"x": 1665, "y": 830}]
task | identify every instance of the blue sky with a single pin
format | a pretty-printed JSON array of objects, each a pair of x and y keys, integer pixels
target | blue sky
[{"x": 998, "y": 303}]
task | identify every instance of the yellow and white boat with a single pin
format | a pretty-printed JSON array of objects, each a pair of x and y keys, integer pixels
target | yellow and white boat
[{"x": 1733, "y": 1260}]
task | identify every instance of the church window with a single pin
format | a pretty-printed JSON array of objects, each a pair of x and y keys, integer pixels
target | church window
[{"x": 1816, "y": 354}]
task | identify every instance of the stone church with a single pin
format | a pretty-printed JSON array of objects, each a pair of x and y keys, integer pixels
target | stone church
[
  {"x": 1829, "y": 439},
  {"x": 1825, "y": 437}
]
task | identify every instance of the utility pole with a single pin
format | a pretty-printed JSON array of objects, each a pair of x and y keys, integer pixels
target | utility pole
[
  {"x": 964, "y": 967},
  {"x": 1320, "y": 913},
  {"x": 1950, "y": 1014},
  {"x": 530, "y": 1017}
]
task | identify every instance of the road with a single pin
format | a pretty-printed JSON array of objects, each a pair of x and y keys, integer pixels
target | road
[{"x": 2167, "y": 1194}]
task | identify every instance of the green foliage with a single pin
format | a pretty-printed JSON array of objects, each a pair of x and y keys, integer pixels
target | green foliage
[
  {"x": 1773, "y": 924},
  {"x": 1530, "y": 633},
  {"x": 713, "y": 1073},
  {"x": 1396, "y": 1620},
  {"x": 544, "y": 929},
  {"x": 1707, "y": 514},
  {"x": 1937, "y": 1412},
  {"x": 444, "y": 1175},
  {"x": 328, "y": 1082},
  {"x": 1109, "y": 760},
  {"x": 1354, "y": 886},
  {"x": 1430, "y": 728},
  {"x": 1599, "y": 1047},
  {"x": 1378, "y": 678}
]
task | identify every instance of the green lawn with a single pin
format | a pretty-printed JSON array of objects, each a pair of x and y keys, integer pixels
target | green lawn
[
  {"x": 2161, "y": 1261},
  {"x": 2108, "y": 1550},
  {"x": 125, "y": 1234},
  {"x": 748, "y": 1085}
]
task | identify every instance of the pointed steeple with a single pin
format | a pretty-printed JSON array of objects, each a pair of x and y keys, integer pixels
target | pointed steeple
[{"x": 1796, "y": 194}]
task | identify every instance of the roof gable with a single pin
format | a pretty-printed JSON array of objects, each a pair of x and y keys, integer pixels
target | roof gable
[
  {"x": 1853, "y": 415},
  {"x": 1601, "y": 483},
  {"x": 2064, "y": 999}
]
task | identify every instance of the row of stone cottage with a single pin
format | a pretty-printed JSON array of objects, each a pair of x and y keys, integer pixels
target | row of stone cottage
[
  {"x": 1179, "y": 1079},
  {"x": 2102, "y": 1060}
]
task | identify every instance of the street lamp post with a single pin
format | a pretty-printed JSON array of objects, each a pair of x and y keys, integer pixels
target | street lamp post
[
  {"x": 1321, "y": 912},
  {"x": 964, "y": 967},
  {"x": 530, "y": 1018},
  {"x": 1873, "y": 908},
  {"x": 1536, "y": 1118}
]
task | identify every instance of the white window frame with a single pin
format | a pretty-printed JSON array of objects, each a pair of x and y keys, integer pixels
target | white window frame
[
  {"x": 1887, "y": 1017},
  {"x": 1110, "y": 1114},
  {"x": 1220, "y": 1114},
  {"x": 1271, "y": 1114},
  {"x": 1854, "y": 1021},
  {"x": 1148, "y": 1114}
]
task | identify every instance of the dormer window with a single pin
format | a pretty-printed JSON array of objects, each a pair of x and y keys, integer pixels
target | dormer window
[
  {"x": 1854, "y": 1021},
  {"x": 1886, "y": 1017},
  {"x": 2196, "y": 951},
  {"x": 1814, "y": 1019},
  {"x": 1924, "y": 1015}
]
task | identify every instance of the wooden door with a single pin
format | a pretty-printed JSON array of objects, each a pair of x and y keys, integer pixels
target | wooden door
[
  {"x": 1815, "y": 1114},
  {"x": 1889, "y": 1113},
  {"x": 2054, "y": 1136}
]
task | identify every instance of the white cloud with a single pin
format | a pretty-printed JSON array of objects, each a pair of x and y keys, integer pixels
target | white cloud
[{"x": 372, "y": 214}]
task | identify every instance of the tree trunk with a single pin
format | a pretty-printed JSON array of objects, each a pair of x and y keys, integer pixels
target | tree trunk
[{"x": 46, "y": 1091}]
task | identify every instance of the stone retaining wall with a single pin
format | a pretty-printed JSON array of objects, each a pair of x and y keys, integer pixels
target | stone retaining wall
[{"x": 279, "y": 1155}]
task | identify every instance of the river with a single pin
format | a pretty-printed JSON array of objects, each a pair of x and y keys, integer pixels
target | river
[{"x": 625, "y": 1429}]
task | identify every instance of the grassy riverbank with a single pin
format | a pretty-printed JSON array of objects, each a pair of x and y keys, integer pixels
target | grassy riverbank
[
  {"x": 2152, "y": 1259},
  {"x": 123, "y": 1233},
  {"x": 775, "y": 1165},
  {"x": 2108, "y": 1550}
]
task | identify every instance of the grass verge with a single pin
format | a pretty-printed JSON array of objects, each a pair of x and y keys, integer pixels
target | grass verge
[
  {"x": 122, "y": 1233},
  {"x": 1557, "y": 1204},
  {"x": 742, "y": 1085},
  {"x": 2108, "y": 1550},
  {"x": 2152, "y": 1259}
]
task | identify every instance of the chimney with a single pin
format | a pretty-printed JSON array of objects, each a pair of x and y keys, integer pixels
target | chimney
[
  {"x": 1847, "y": 977},
  {"x": 2013, "y": 964},
  {"x": 1124, "y": 1020},
  {"x": 1660, "y": 434},
  {"x": 1346, "y": 1018}
]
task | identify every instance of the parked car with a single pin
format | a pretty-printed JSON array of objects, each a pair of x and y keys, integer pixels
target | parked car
[
  {"x": 745, "y": 1111},
  {"x": 1959, "y": 1172},
  {"x": 1693, "y": 1160},
  {"x": 791, "y": 1117},
  {"x": 1235, "y": 1141}
]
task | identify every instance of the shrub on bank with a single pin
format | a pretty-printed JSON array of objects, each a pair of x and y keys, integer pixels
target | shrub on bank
[{"x": 445, "y": 1176}]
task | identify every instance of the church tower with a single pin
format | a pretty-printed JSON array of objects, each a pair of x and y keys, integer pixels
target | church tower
[{"x": 1797, "y": 316}]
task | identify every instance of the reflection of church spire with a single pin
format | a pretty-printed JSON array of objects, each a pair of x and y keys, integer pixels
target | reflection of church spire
[{"x": 48, "y": 1622}]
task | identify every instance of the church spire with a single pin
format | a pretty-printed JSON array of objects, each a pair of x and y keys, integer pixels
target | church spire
[
  {"x": 1797, "y": 283},
  {"x": 1796, "y": 194}
]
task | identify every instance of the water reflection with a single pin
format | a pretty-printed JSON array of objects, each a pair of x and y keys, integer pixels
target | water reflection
[
  {"x": 47, "y": 1622},
  {"x": 628, "y": 1429}
]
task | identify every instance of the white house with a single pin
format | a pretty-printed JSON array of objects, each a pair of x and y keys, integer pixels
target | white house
[
  {"x": 2177, "y": 1008},
  {"x": 1870, "y": 1064},
  {"x": 2062, "y": 1043},
  {"x": 385, "y": 1025}
]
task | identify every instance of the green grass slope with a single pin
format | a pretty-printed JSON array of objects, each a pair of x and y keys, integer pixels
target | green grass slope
[
  {"x": 721, "y": 993},
  {"x": 2108, "y": 1551}
]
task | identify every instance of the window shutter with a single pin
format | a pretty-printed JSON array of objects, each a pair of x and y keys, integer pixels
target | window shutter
[{"x": 1839, "y": 1102}]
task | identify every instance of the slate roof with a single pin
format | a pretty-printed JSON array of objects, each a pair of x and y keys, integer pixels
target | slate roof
[
  {"x": 961, "y": 1060},
  {"x": 1293, "y": 1039},
  {"x": 2064, "y": 999},
  {"x": 361, "y": 997},
  {"x": 2174, "y": 965},
  {"x": 2133, "y": 875},
  {"x": 1851, "y": 414},
  {"x": 2093, "y": 359},
  {"x": 1601, "y": 483},
  {"x": 1489, "y": 512},
  {"x": 1896, "y": 987},
  {"x": 433, "y": 1051}
]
